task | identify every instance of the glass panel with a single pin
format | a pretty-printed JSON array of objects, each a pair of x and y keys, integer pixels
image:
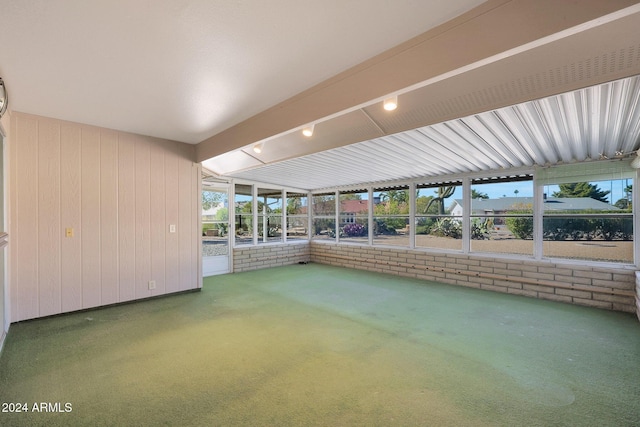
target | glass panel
[
  {"x": 324, "y": 220},
  {"x": 297, "y": 204},
  {"x": 215, "y": 222},
  {"x": 244, "y": 215},
  {"x": 324, "y": 205},
  {"x": 272, "y": 226},
  {"x": 391, "y": 217},
  {"x": 589, "y": 220},
  {"x": 354, "y": 217},
  {"x": 439, "y": 217},
  {"x": 502, "y": 217},
  {"x": 269, "y": 215},
  {"x": 324, "y": 229},
  {"x": 297, "y": 227},
  {"x": 297, "y": 218}
]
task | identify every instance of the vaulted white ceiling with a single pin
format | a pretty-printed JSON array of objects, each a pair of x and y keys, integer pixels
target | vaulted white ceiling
[{"x": 188, "y": 69}]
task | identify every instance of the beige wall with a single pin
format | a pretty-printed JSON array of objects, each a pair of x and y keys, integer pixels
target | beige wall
[
  {"x": 4, "y": 292},
  {"x": 119, "y": 193}
]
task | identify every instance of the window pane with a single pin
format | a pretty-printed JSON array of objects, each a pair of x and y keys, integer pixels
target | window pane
[
  {"x": 297, "y": 218},
  {"x": 324, "y": 229},
  {"x": 297, "y": 227},
  {"x": 502, "y": 217},
  {"x": 354, "y": 217},
  {"x": 591, "y": 220},
  {"x": 269, "y": 215},
  {"x": 215, "y": 222},
  {"x": 391, "y": 217},
  {"x": 297, "y": 204},
  {"x": 324, "y": 220},
  {"x": 244, "y": 216},
  {"x": 269, "y": 228},
  {"x": 439, "y": 217},
  {"x": 324, "y": 205}
]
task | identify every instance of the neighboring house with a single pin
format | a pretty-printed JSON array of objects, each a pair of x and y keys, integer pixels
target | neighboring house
[
  {"x": 350, "y": 209},
  {"x": 506, "y": 205}
]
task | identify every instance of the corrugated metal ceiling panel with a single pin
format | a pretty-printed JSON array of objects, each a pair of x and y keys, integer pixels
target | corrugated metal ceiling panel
[{"x": 587, "y": 124}]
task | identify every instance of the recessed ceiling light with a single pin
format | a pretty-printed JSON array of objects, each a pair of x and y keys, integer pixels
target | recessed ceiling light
[{"x": 391, "y": 103}]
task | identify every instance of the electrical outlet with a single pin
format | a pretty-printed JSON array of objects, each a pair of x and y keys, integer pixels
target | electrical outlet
[
  {"x": 172, "y": 228},
  {"x": 152, "y": 284}
]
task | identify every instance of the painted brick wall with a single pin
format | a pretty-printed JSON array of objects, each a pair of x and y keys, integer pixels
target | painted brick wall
[
  {"x": 255, "y": 257},
  {"x": 608, "y": 288}
]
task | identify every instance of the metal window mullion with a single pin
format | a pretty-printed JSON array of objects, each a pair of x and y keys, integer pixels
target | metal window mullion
[
  {"x": 538, "y": 219},
  {"x": 283, "y": 220},
  {"x": 412, "y": 215},
  {"x": 254, "y": 211},
  {"x": 336, "y": 196},
  {"x": 466, "y": 215},
  {"x": 370, "y": 216},
  {"x": 636, "y": 219},
  {"x": 309, "y": 215}
]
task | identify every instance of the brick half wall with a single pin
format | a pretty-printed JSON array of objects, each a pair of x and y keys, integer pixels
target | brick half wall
[
  {"x": 607, "y": 288},
  {"x": 271, "y": 255}
]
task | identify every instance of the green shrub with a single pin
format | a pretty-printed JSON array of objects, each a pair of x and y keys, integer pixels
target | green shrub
[{"x": 521, "y": 227}]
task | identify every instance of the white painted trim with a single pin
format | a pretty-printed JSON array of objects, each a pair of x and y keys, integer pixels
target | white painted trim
[
  {"x": 635, "y": 203},
  {"x": 199, "y": 225},
  {"x": 538, "y": 211},
  {"x": 466, "y": 215}
]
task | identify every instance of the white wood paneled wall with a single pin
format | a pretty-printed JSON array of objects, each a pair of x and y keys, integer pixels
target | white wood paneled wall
[{"x": 119, "y": 192}]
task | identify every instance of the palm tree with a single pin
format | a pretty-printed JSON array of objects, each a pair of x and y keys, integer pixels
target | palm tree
[{"x": 475, "y": 194}]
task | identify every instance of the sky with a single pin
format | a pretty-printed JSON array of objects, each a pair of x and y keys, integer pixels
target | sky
[{"x": 525, "y": 189}]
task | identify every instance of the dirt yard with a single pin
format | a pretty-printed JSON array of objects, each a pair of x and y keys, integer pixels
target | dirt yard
[{"x": 616, "y": 251}]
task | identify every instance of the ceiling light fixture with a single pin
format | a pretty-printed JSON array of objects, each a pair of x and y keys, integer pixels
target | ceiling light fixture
[
  {"x": 308, "y": 131},
  {"x": 4, "y": 98},
  {"x": 258, "y": 148},
  {"x": 391, "y": 103}
]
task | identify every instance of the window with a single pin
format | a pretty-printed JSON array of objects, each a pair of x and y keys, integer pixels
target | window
[
  {"x": 588, "y": 212},
  {"x": 578, "y": 211},
  {"x": 324, "y": 216},
  {"x": 215, "y": 222},
  {"x": 297, "y": 217},
  {"x": 501, "y": 219},
  {"x": 354, "y": 216},
  {"x": 438, "y": 220},
  {"x": 244, "y": 214},
  {"x": 391, "y": 216},
  {"x": 269, "y": 215}
]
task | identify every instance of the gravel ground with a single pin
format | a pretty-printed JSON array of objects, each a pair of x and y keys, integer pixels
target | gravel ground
[{"x": 209, "y": 249}]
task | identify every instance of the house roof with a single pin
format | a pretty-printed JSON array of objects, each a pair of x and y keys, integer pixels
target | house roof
[
  {"x": 354, "y": 206},
  {"x": 505, "y": 204}
]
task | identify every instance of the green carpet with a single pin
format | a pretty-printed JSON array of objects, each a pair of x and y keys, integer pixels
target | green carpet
[{"x": 317, "y": 345}]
